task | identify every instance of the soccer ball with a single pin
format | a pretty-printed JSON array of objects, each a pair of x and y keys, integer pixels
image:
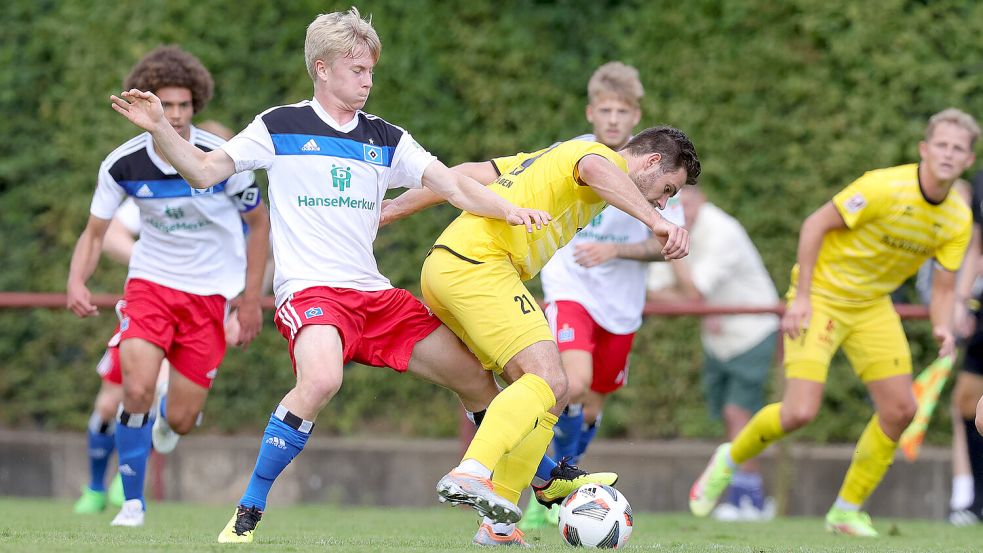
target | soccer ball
[{"x": 596, "y": 516}]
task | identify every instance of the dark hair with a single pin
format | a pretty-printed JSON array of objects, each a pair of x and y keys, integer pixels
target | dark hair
[
  {"x": 676, "y": 149},
  {"x": 172, "y": 66}
]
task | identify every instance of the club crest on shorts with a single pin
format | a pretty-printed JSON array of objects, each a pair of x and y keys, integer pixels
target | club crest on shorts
[
  {"x": 565, "y": 334},
  {"x": 313, "y": 312}
]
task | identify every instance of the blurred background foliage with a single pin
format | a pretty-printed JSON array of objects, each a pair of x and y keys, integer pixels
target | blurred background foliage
[{"x": 786, "y": 101}]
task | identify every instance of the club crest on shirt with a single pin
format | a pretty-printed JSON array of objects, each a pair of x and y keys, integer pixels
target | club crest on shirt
[
  {"x": 855, "y": 203},
  {"x": 313, "y": 312},
  {"x": 372, "y": 154}
]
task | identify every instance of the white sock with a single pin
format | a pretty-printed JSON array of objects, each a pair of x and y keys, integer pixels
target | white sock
[
  {"x": 962, "y": 492},
  {"x": 473, "y": 467},
  {"x": 845, "y": 505}
]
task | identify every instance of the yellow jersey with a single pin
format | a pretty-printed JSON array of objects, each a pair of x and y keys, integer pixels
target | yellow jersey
[
  {"x": 891, "y": 230},
  {"x": 548, "y": 180}
]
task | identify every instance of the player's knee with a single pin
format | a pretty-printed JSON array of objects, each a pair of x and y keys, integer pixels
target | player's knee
[
  {"x": 320, "y": 388},
  {"x": 106, "y": 407},
  {"x": 899, "y": 414},
  {"x": 139, "y": 394},
  {"x": 795, "y": 416},
  {"x": 576, "y": 390},
  {"x": 181, "y": 423}
]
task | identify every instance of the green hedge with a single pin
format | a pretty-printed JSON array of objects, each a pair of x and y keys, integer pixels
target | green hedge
[{"x": 786, "y": 101}]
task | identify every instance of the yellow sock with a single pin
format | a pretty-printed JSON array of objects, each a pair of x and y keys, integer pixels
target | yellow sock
[
  {"x": 515, "y": 471},
  {"x": 510, "y": 417},
  {"x": 874, "y": 455},
  {"x": 764, "y": 428}
]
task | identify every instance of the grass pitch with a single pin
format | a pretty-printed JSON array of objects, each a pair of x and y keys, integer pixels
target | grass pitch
[{"x": 48, "y": 526}]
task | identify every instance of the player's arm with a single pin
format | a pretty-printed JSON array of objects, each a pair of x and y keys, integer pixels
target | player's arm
[
  {"x": 617, "y": 189},
  {"x": 411, "y": 201},
  {"x": 249, "y": 313},
  {"x": 200, "y": 169},
  {"x": 814, "y": 229},
  {"x": 591, "y": 254},
  {"x": 965, "y": 303},
  {"x": 467, "y": 194},
  {"x": 940, "y": 309},
  {"x": 85, "y": 258},
  {"x": 118, "y": 242}
]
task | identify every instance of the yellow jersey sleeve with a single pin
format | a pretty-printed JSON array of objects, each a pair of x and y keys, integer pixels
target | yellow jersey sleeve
[
  {"x": 951, "y": 253},
  {"x": 864, "y": 200}
]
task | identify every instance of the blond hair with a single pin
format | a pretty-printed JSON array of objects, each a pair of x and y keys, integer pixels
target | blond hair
[
  {"x": 956, "y": 117},
  {"x": 336, "y": 34},
  {"x": 618, "y": 80}
]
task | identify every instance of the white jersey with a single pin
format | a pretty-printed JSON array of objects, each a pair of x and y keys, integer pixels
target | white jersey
[
  {"x": 190, "y": 240},
  {"x": 327, "y": 183},
  {"x": 728, "y": 271},
  {"x": 613, "y": 293},
  {"x": 128, "y": 214}
]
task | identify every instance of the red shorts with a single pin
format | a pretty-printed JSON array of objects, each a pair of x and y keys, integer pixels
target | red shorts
[
  {"x": 376, "y": 328},
  {"x": 188, "y": 327},
  {"x": 108, "y": 367},
  {"x": 574, "y": 329}
]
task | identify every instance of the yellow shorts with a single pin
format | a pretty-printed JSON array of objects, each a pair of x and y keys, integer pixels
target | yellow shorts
[
  {"x": 870, "y": 334},
  {"x": 485, "y": 304}
]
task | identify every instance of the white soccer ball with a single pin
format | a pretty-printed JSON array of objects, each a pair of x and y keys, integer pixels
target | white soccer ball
[{"x": 596, "y": 516}]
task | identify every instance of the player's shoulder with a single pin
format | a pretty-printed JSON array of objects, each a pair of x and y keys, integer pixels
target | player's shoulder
[
  {"x": 285, "y": 117},
  {"x": 131, "y": 147},
  {"x": 376, "y": 126},
  {"x": 897, "y": 175}
]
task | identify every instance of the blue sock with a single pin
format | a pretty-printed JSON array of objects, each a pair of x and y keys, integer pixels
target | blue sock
[
  {"x": 163, "y": 408},
  {"x": 566, "y": 436},
  {"x": 284, "y": 438},
  {"x": 587, "y": 433},
  {"x": 133, "y": 447},
  {"x": 545, "y": 468},
  {"x": 102, "y": 442}
]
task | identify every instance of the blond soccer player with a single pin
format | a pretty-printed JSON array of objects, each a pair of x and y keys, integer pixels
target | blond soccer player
[{"x": 853, "y": 251}]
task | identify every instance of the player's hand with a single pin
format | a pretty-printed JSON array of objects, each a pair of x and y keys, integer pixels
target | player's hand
[
  {"x": 80, "y": 300},
  {"x": 964, "y": 321},
  {"x": 143, "y": 109},
  {"x": 387, "y": 213},
  {"x": 796, "y": 319},
  {"x": 250, "y": 317},
  {"x": 528, "y": 217},
  {"x": 946, "y": 340},
  {"x": 591, "y": 254},
  {"x": 675, "y": 239}
]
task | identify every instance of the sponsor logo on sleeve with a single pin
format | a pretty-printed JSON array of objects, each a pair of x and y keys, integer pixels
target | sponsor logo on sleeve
[{"x": 855, "y": 203}]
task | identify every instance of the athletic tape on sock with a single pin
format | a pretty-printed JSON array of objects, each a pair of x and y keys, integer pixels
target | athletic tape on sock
[{"x": 293, "y": 420}]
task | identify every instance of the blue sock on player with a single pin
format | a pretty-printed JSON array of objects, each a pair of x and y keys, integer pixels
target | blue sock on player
[
  {"x": 102, "y": 442},
  {"x": 746, "y": 484},
  {"x": 133, "y": 446},
  {"x": 566, "y": 433},
  {"x": 587, "y": 433},
  {"x": 284, "y": 438}
]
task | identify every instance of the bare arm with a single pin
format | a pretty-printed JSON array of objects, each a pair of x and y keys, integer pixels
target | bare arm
[
  {"x": 118, "y": 242},
  {"x": 411, "y": 201},
  {"x": 968, "y": 273},
  {"x": 469, "y": 195},
  {"x": 591, "y": 254},
  {"x": 940, "y": 310},
  {"x": 814, "y": 230},
  {"x": 200, "y": 169},
  {"x": 85, "y": 258},
  {"x": 250, "y": 312},
  {"x": 616, "y": 188}
]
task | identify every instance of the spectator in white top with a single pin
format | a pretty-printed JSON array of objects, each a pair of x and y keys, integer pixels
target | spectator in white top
[{"x": 725, "y": 269}]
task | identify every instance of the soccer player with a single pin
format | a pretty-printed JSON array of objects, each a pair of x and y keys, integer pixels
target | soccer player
[
  {"x": 472, "y": 279},
  {"x": 329, "y": 165},
  {"x": 190, "y": 260},
  {"x": 595, "y": 287},
  {"x": 853, "y": 251}
]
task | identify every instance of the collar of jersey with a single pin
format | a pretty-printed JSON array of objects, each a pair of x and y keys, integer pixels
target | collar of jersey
[{"x": 346, "y": 128}]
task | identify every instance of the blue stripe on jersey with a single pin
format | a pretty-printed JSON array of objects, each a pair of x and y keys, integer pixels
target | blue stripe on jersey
[
  {"x": 309, "y": 144},
  {"x": 166, "y": 188}
]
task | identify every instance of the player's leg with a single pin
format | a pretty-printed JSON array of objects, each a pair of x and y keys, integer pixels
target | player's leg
[
  {"x": 878, "y": 350},
  {"x": 806, "y": 365},
  {"x": 317, "y": 353},
  {"x": 140, "y": 361},
  {"x": 100, "y": 434},
  {"x": 593, "y": 414}
]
